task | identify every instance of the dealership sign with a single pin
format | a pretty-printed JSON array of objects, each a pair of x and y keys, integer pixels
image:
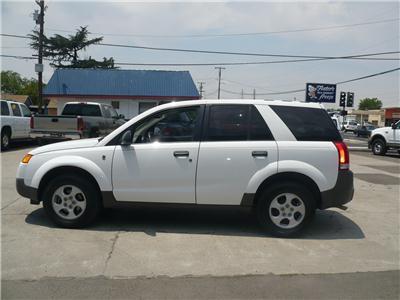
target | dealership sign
[{"x": 321, "y": 92}]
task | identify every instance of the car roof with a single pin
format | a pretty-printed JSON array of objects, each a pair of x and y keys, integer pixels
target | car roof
[
  {"x": 11, "y": 101},
  {"x": 244, "y": 101}
]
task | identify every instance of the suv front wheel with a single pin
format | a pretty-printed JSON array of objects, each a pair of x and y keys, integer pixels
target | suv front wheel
[
  {"x": 285, "y": 209},
  {"x": 71, "y": 201}
]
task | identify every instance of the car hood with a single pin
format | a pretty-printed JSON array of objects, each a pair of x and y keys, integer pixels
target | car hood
[
  {"x": 381, "y": 130},
  {"x": 66, "y": 145}
]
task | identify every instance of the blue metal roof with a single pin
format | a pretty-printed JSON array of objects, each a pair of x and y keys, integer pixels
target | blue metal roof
[{"x": 121, "y": 83}]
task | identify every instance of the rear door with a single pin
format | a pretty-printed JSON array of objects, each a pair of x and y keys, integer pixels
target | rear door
[
  {"x": 237, "y": 143},
  {"x": 25, "y": 119}
]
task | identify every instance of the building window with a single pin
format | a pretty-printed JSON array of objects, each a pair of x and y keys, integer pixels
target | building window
[
  {"x": 115, "y": 104},
  {"x": 143, "y": 106}
]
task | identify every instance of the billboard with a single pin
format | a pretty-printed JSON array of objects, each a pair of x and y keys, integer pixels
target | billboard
[{"x": 321, "y": 92}]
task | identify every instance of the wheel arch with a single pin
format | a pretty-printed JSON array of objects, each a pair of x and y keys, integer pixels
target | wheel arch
[
  {"x": 63, "y": 170},
  {"x": 8, "y": 128},
  {"x": 292, "y": 177},
  {"x": 378, "y": 136}
]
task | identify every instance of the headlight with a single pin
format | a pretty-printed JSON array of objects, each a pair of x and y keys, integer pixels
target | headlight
[{"x": 26, "y": 158}]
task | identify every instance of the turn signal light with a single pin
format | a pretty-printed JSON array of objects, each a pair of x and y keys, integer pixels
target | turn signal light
[{"x": 26, "y": 158}]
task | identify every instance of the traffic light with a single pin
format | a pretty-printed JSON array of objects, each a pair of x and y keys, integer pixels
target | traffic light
[
  {"x": 350, "y": 99},
  {"x": 342, "y": 98}
]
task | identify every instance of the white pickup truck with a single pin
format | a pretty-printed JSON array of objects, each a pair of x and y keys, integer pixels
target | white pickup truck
[
  {"x": 15, "y": 118},
  {"x": 385, "y": 138}
]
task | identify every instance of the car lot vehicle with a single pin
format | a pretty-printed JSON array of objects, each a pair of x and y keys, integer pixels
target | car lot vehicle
[
  {"x": 364, "y": 130},
  {"x": 349, "y": 126},
  {"x": 283, "y": 159},
  {"x": 15, "y": 119},
  {"x": 77, "y": 120},
  {"x": 385, "y": 138}
]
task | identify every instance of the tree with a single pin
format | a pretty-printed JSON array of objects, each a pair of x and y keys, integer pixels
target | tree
[
  {"x": 13, "y": 83},
  {"x": 60, "y": 50},
  {"x": 369, "y": 103}
]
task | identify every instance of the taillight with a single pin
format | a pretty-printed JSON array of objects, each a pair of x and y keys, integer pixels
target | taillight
[
  {"x": 32, "y": 124},
  {"x": 343, "y": 153},
  {"x": 81, "y": 124}
]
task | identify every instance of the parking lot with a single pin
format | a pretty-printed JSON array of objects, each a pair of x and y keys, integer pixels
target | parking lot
[{"x": 148, "y": 249}]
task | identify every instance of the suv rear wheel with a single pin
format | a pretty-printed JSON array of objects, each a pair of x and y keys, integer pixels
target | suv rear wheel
[
  {"x": 71, "y": 202},
  {"x": 5, "y": 139},
  {"x": 285, "y": 209},
  {"x": 378, "y": 147}
]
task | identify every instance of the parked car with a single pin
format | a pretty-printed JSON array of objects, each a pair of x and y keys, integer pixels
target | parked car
[
  {"x": 364, "y": 130},
  {"x": 283, "y": 159},
  {"x": 15, "y": 119},
  {"x": 385, "y": 138},
  {"x": 349, "y": 126},
  {"x": 77, "y": 120}
]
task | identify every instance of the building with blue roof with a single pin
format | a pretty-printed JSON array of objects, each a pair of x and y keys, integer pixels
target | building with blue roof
[{"x": 129, "y": 91}]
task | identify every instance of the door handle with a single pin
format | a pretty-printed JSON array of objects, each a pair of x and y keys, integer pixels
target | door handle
[
  {"x": 181, "y": 153},
  {"x": 259, "y": 153}
]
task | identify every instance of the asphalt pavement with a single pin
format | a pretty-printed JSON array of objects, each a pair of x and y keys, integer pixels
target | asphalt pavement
[{"x": 204, "y": 253}]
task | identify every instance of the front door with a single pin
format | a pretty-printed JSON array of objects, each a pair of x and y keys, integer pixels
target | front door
[{"x": 160, "y": 165}]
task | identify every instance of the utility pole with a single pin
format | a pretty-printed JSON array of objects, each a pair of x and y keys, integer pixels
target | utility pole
[
  {"x": 254, "y": 93},
  {"x": 201, "y": 88},
  {"x": 219, "y": 80},
  {"x": 39, "y": 66}
]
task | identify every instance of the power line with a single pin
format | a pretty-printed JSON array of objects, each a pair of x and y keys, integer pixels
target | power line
[
  {"x": 302, "y": 90},
  {"x": 359, "y": 56},
  {"x": 241, "y": 34}
]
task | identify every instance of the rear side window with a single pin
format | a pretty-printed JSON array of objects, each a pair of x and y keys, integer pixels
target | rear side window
[
  {"x": 15, "y": 109},
  {"x": 236, "y": 123},
  {"x": 4, "y": 109},
  {"x": 87, "y": 110},
  {"x": 308, "y": 124}
]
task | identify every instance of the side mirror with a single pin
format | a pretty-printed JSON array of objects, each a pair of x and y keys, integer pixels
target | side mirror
[
  {"x": 394, "y": 126},
  {"x": 121, "y": 116},
  {"x": 126, "y": 139}
]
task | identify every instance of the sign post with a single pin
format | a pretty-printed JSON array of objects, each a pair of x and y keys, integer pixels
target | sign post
[{"x": 321, "y": 92}]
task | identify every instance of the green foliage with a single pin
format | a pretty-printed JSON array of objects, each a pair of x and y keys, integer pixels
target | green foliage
[
  {"x": 13, "y": 83},
  {"x": 64, "y": 51},
  {"x": 369, "y": 103}
]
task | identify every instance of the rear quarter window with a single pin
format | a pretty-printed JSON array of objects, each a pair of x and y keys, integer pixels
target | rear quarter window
[
  {"x": 4, "y": 109},
  {"x": 308, "y": 124}
]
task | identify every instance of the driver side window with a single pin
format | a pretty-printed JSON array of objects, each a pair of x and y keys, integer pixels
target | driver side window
[{"x": 169, "y": 126}]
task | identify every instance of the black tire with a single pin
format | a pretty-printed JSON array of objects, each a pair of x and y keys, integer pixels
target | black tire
[
  {"x": 379, "y": 147},
  {"x": 5, "y": 139},
  {"x": 90, "y": 191},
  {"x": 269, "y": 194}
]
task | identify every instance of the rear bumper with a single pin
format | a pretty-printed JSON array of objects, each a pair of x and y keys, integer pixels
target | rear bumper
[
  {"x": 341, "y": 193},
  {"x": 27, "y": 191},
  {"x": 55, "y": 135}
]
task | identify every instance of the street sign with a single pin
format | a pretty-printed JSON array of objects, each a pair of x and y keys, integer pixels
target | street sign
[{"x": 321, "y": 92}]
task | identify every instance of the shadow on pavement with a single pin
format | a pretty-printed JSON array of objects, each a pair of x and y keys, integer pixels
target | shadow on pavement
[{"x": 227, "y": 221}]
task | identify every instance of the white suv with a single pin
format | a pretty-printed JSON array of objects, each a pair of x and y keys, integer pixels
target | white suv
[{"x": 283, "y": 159}]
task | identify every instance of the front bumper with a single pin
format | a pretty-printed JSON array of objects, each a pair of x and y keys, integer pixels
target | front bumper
[
  {"x": 341, "y": 193},
  {"x": 27, "y": 191}
]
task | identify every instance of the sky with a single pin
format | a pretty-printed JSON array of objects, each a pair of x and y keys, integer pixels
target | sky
[{"x": 163, "y": 24}]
